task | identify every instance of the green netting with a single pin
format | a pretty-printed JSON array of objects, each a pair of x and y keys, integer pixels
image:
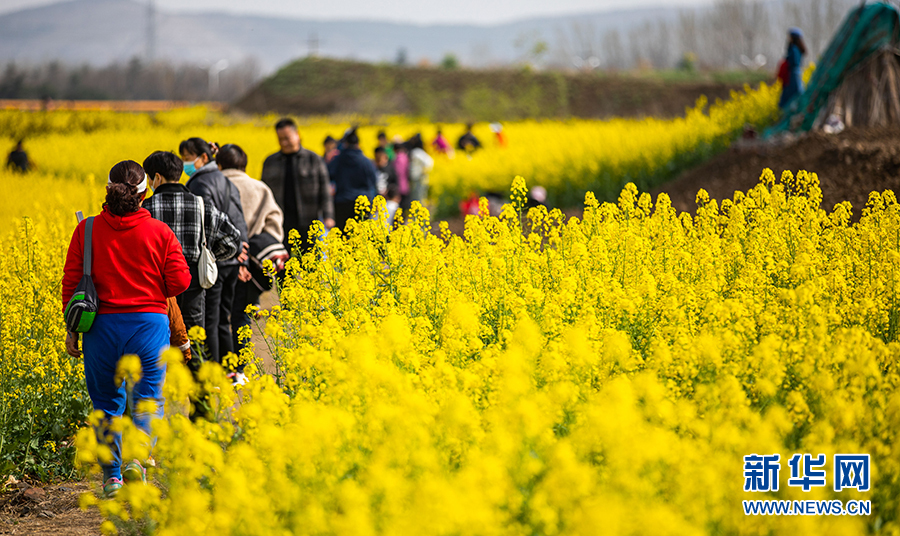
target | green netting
[{"x": 866, "y": 30}]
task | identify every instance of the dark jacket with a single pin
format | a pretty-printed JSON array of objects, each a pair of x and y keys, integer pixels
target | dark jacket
[
  {"x": 210, "y": 184},
  {"x": 313, "y": 189},
  {"x": 18, "y": 161},
  {"x": 387, "y": 178},
  {"x": 468, "y": 141},
  {"x": 353, "y": 175}
]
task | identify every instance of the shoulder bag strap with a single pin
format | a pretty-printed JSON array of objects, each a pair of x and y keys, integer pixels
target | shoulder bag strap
[
  {"x": 88, "y": 232},
  {"x": 202, "y": 223}
]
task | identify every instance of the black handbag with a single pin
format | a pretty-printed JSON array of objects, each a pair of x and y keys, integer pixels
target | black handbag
[{"x": 84, "y": 304}]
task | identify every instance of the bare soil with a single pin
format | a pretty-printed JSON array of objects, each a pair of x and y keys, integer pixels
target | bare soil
[
  {"x": 849, "y": 165},
  {"x": 266, "y": 301},
  {"x": 49, "y": 510}
]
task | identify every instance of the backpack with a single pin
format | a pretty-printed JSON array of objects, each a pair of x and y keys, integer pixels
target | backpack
[
  {"x": 84, "y": 304},
  {"x": 783, "y": 72}
]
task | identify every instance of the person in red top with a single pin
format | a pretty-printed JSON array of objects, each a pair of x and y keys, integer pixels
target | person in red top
[{"x": 137, "y": 264}]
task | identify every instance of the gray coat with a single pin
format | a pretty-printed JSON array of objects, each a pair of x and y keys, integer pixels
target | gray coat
[{"x": 210, "y": 184}]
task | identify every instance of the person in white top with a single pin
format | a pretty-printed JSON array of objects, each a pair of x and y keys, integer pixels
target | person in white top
[{"x": 420, "y": 163}]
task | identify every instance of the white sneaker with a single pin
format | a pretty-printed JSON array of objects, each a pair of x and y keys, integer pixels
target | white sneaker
[{"x": 238, "y": 378}]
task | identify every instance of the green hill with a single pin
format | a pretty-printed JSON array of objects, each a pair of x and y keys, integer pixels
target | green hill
[{"x": 316, "y": 86}]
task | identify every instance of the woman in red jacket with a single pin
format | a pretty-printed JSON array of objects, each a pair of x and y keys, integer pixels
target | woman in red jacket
[{"x": 137, "y": 264}]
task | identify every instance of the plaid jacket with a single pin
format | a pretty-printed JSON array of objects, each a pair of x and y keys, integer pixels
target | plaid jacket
[
  {"x": 174, "y": 205},
  {"x": 313, "y": 190}
]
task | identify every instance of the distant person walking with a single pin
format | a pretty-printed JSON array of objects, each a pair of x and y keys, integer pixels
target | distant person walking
[
  {"x": 298, "y": 179},
  {"x": 420, "y": 164},
  {"x": 173, "y": 204},
  {"x": 401, "y": 168},
  {"x": 329, "y": 148},
  {"x": 793, "y": 83},
  {"x": 209, "y": 183},
  {"x": 137, "y": 263},
  {"x": 468, "y": 143},
  {"x": 497, "y": 129},
  {"x": 353, "y": 175},
  {"x": 441, "y": 145},
  {"x": 18, "y": 159},
  {"x": 265, "y": 222},
  {"x": 385, "y": 172},
  {"x": 384, "y": 144}
]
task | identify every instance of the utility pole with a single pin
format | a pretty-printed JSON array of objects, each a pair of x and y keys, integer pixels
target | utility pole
[
  {"x": 313, "y": 45},
  {"x": 151, "y": 31},
  {"x": 214, "y": 71}
]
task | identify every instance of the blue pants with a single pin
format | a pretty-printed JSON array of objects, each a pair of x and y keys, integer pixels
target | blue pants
[{"x": 110, "y": 337}]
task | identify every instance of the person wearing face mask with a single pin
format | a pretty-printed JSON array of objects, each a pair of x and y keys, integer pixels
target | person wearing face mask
[
  {"x": 173, "y": 204},
  {"x": 208, "y": 182}
]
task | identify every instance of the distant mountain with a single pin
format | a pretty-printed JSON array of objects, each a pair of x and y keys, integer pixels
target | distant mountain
[{"x": 98, "y": 32}]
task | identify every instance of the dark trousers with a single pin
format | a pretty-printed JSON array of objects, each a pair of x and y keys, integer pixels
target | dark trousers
[
  {"x": 219, "y": 302},
  {"x": 244, "y": 294},
  {"x": 192, "y": 303},
  {"x": 342, "y": 212}
]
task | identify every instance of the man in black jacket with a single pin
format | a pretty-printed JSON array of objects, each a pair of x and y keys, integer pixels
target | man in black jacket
[
  {"x": 299, "y": 180},
  {"x": 468, "y": 142},
  {"x": 18, "y": 159},
  {"x": 353, "y": 175},
  {"x": 209, "y": 183}
]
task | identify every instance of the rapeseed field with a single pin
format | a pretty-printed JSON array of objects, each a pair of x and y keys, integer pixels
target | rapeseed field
[{"x": 605, "y": 374}]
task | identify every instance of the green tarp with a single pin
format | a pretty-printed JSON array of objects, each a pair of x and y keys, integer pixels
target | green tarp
[{"x": 866, "y": 30}]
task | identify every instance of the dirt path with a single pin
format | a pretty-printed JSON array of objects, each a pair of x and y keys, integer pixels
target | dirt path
[
  {"x": 266, "y": 301},
  {"x": 51, "y": 510}
]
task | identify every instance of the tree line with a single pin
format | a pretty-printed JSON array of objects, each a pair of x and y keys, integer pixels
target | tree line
[
  {"x": 730, "y": 34},
  {"x": 133, "y": 80}
]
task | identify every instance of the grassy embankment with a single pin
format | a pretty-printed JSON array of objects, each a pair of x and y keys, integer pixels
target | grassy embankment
[{"x": 315, "y": 86}]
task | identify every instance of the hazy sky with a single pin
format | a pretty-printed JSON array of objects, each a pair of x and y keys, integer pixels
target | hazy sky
[{"x": 417, "y": 11}]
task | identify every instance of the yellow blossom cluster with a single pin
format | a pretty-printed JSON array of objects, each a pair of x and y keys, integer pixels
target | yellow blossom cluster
[
  {"x": 538, "y": 375},
  {"x": 43, "y": 398},
  {"x": 568, "y": 158},
  {"x": 565, "y": 157}
]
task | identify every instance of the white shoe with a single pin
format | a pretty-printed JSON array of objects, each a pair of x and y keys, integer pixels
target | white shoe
[{"x": 238, "y": 378}]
